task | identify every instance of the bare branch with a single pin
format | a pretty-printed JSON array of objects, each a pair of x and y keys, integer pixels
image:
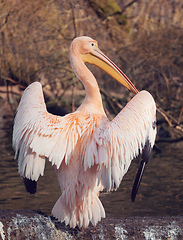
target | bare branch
[{"x": 73, "y": 19}]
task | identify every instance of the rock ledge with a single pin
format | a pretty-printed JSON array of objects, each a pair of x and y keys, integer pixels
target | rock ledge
[{"x": 34, "y": 224}]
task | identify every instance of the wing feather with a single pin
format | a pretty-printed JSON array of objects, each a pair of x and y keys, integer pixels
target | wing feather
[
  {"x": 124, "y": 138},
  {"x": 38, "y": 134}
]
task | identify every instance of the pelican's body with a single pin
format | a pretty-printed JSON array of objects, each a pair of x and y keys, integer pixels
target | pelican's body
[{"x": 89, "y": 152}]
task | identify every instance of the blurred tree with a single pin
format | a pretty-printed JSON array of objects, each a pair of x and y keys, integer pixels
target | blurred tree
[{"x": 139, "y": 36}]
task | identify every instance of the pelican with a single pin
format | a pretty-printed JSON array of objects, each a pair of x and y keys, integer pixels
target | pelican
[{"x": 89, "y": 152}]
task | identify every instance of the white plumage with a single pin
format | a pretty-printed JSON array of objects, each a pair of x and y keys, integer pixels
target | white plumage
[{"x": 89, "y": 152}]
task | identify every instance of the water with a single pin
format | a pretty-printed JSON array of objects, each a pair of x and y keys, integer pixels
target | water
[{"x": 160, "y": 193}]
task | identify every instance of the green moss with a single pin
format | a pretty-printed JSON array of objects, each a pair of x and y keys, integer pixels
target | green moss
[
  {"x": 105, "y": 8},
  {"x": 108, "y": 9}
]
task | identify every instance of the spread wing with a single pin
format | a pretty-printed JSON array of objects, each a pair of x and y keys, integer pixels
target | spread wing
[
  {"x": 125, "y": 137},
  {"x": 38, "y": 134}
]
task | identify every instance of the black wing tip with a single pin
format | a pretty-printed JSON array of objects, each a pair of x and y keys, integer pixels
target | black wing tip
[
  {"x": 133, "y": 196},
  {"x": 137, "y": 181},
  {"x": 146, "y": 153},
  {"x": 145, "y": 159},
  {"x": 30, "y": 185}
]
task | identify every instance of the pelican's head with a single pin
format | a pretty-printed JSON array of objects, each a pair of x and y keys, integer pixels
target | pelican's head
[
  {"x": 89, "y": 52},
  {"x": 83, "y": 45}
]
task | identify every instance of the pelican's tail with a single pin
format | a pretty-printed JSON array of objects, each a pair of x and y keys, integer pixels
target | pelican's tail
[{"x": 89, "y": 210}]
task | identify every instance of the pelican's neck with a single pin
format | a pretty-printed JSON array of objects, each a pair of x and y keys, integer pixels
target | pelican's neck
[{"x": 93, "y": 96}]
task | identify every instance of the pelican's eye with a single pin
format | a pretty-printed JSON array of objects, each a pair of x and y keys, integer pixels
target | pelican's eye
[{"x": 92, "y": 44}]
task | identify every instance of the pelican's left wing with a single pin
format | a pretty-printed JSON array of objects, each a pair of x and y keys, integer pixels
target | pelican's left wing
[{"x": 132, "y": 130}]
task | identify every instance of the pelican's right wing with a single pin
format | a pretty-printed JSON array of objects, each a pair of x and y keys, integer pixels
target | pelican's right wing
[
  {"x": 38, "y": 134},
  {"x": 131, "y": 131}
]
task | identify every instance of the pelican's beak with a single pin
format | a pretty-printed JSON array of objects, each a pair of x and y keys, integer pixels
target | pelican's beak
[{"x": 99, "y": 59}]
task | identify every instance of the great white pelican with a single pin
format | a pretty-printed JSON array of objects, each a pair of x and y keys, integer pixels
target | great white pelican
[{"x": 89, "y": 152}]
